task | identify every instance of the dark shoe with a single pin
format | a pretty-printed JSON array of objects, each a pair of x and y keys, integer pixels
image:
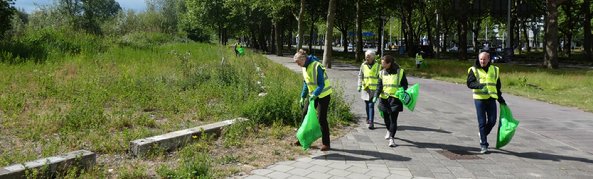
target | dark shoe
[
  {"x": 324, "y": 148},
  {"x": 297, "y": 143},
  {"x": 371, "y": 126}
]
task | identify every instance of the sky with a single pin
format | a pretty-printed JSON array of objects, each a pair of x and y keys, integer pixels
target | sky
[{"x": 32, "y": 5}]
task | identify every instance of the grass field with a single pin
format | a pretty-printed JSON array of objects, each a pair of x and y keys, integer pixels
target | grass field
[{"x": 100, "y": 102}]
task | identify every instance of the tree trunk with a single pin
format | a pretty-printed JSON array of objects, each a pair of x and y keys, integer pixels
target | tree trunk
[
  {"x": 311, "y": 36},
  {"x": 380, "y": 34},
  {"x": 345, "y": 40},
  {"x": 358, "y": 55},
  {"x": 277, "y": 34},
  {"x": 588, "y": 42},
  {"x": 567, "y": 44},
  {"x": 301, "y": 29},
  {"x": 551, "y": 35},
  {"x": 273, "y": 38},
  {"x": 476, "y": 33},
  {"x": 329, "y": 37},
  {"x": 429, "y": 34},
  {"x": 463, "y": 37}
]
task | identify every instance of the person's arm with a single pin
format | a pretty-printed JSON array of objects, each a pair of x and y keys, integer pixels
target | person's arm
[
  {"x": 404, "y": 82},
  {"x": 320, "y": 82},
  {"x": 379, "y": 87},
  {"x": 472, "y": 81},
  {"x": 304, "y": 90},
  {"x": 360, "y": 78},
  {"x": 498, "y": 86}
]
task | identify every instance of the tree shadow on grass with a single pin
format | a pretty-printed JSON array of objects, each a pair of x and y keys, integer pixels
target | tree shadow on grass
[{"x": 360, "y": 155}]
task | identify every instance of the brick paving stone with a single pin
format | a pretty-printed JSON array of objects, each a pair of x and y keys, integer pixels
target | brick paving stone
[
  {"x": 319, "y": 175},
  {"x": 262, "y": 171},
  {"x": 358, "y": 176},
  {"x": 256, "y": 177},
  {"x": 299, "y": 172},
  {"x": 278, "y": 175},
  {"x": 378, "y": 173},
  {"x": 338, "y": 172},
  {"x": 281, "y": 168}
]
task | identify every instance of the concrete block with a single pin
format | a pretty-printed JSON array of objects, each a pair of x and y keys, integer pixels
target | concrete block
[
  {"x": 50, "y": 166},
  {"x": 176, "y": 139}
]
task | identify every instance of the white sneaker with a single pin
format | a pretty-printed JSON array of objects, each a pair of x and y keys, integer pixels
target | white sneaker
[
  {"x": 392, "y": 143},
  {"x": 387, "y": 136}
]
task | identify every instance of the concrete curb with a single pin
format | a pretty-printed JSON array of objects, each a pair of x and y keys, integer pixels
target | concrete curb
[
  {"x": 50, "y": 165},
  {"x": 176, "y": 139}
]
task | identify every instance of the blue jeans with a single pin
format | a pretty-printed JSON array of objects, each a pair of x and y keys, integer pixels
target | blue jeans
[
  {"x": 486, "y": 111},
  {"x": 370, "y": 108}
]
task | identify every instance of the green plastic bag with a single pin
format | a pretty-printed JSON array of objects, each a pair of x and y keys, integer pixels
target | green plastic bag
[
  {"x": 506, "y": 127},
  {"x": 310, "y": 130},
  {"x": 241, "y": 51},
  {"x": 409, "y": 97}
]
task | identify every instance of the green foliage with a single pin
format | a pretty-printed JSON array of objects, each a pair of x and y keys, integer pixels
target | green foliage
[
  {"x": 6, "y": 12},
  {"x": 195, "y": 163},
  {"x": 48, "y": 43},
  {"x": 147, "y": 39}
]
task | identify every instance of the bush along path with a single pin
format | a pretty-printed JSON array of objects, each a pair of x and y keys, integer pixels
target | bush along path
[{"x": 439, "y": 139}]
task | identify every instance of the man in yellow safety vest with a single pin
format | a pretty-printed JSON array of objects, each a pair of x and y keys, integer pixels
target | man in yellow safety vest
[{"x": 484, "y": 80}]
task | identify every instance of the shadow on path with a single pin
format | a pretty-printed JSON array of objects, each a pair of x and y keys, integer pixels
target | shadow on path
[
  {"x": 543, "y": 156},
  {"x": 424, "y": 129},
  {"x": 364, "y": 155},
  {"x": 529, "y": 155}
]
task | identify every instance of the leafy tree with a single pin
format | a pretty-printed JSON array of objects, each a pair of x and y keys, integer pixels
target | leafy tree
[
  {"x": 344, "y": 16},
  {"x": 6, "y": 12}
]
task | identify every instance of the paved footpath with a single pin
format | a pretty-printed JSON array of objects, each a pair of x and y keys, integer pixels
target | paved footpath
[{"x": 551, "y": 141}]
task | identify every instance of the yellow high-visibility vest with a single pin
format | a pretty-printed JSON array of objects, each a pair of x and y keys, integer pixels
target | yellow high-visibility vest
[
  {"x": 488, "y": 79},
  {"x": 371, "y": 76},
  {"x": 310, "y": 75},
  {"x": 419, "y": 58},
  {"x": 391, "y": 83}
]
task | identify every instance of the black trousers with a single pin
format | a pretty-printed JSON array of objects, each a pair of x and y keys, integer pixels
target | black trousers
[
  {"x": 322, "y": 105},
  {"x": 391, "y": 122}
]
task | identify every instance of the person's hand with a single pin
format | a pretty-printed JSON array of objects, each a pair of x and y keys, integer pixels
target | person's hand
[
  {"x": 501, "y": 101},
  {"x": 359, "y": 88},
  {"x": 302, "y": 102},
  {"x": 313, "y": 97}
]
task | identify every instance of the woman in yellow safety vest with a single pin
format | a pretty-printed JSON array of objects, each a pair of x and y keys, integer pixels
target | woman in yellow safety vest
[
  {"x": 484, "y": 80},
  {"x": 319, "y": 89},
  {"x": 368, "y": 77},
  {"x": 391, "y": 79}
]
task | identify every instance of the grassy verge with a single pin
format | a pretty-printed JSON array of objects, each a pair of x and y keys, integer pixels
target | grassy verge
[
  {"x": 567, "y": 87},
  {"x": 102, "y": 101}
]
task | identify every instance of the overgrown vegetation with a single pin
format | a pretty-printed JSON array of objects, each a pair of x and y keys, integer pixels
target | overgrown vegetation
[{"x": 101, "y": 101}]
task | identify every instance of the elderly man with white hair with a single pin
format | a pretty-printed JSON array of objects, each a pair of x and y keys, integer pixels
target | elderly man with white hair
[
  {"x": 367, "y": 84},
  {"x": 484, "y": 80}
]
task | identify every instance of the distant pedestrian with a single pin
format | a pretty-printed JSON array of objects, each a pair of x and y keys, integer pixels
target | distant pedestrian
[
  {"x": 368, "y": 77},
  {"x": 316, "y": 84},
  {"x": 391, "y": 79},
  {"x": 419, "y": 59},
  {"x": 484, "y": 80}
]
